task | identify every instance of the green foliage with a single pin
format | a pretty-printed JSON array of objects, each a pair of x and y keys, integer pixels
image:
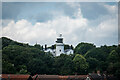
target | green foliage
[
  {"x": 7, "y": 41},
  {"x": 96, "y": 53},
  {"x": 80, "y": 64},
  {"x": 23, "y": 69},
  {"x": 114, "y": 62},
  {"x": 113, "y": 56},
  {"x": 20, "y": 58},
  {"x": 66, "y": 46},
  {"x": 38, "y": 46},
  {"x": 63, "y": 64},
  {"x": 19, "y": 55},
  {"x": 8, "y": 67},
  {"x": 108, "y": 49},
  {"x": 93, "y": 63},
  {"x": 82, "y": 48},
  {"x": 117, "y": 73},
  {"x": 53, "y": 46}
]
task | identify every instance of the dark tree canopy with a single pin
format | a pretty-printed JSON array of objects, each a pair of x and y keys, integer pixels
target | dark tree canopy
[
  {"x": 20, "y": 58},
  {"x": 82, "y": 48}
]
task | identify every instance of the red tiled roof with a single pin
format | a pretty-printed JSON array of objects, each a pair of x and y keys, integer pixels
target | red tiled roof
[
  {"x": 14, "y": 76},
  {"x": 46, "y": 77}
]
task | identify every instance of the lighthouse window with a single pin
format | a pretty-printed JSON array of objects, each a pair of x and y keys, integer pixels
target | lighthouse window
[
  {"x": 59, "y": 41},
  {"x": 60, "y": 50}
]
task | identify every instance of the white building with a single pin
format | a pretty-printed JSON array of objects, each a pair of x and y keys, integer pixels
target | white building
[
  {"x": 51, "y": 51},
  {"x": 59, "y": 48},
  {"x": 59, "y": 45},
  {"x": 68, "y": 51}
]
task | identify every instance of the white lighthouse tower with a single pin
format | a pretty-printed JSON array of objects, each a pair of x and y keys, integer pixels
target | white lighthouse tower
[{"x": 59, "y": 45}]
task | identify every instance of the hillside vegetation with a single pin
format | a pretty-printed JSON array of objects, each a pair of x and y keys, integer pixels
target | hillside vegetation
[{"x": 20, "y": 58}]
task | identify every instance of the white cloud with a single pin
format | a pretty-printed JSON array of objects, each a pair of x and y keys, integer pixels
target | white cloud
[
  {"x": 111, "y": 8},
  {"x": 73, "y": 4},
  {"x": 47, "y": 32},
  {"x": 105, "y": 33},
  {"x": 104, "y": 29},
  {"x": 74, "y": 30}
]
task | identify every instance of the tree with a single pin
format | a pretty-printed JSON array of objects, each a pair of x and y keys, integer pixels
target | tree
[
  {"x": 36, "y": 66},
  {"x": 63, "y": 64},
  {"x": 113, "y": 56},
  {"x": 93, "y": 63},
  {"x": 66, "y": 46},
  {"x": 8, "y": 68},
  {"x": 82, "y": 48},
  {"x": 108, "y": 49},
  {"x": 23, "y": 59},
  {"x": 38, "y": 46},
  {"x": 67, "y": 67},
  {"x": 23, "y": 69},
  {"x": 81, "y": 65},
  {"x": 114, "y": 64},
  {"x": 118, "y": 51},
  {"x": 96, "y": 53}
]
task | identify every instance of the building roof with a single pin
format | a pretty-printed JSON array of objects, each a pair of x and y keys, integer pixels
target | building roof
[
  {"x": 46, "y": 77},
  {"x": 68, "y": 50}
]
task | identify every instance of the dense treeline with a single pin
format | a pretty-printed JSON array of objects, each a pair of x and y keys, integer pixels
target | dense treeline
[{"x": 19, "y": 58}]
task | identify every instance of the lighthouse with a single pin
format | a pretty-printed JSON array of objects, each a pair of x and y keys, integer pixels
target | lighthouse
[{"x": 59, "y": 45}]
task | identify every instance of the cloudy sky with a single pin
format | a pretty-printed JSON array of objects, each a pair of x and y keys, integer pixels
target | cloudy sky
[{"x": 42, "y": 22}]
